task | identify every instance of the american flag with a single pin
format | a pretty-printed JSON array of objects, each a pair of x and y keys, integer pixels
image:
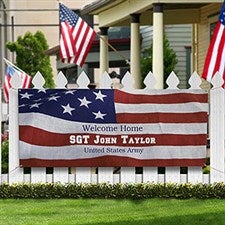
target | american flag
[
  {"x": 106, "y": 127},
  {"x": 215, "y": 58},
  {"x": 10, "y": 71},
  {"x": 76, "y": 36}
]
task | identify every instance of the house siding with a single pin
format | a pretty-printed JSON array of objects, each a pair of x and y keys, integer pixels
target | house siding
[{"x": 180, "y": 37}]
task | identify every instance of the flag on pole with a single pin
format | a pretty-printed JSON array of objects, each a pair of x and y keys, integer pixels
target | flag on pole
[
  {"x": 215, "y": 58},
  {"x": 10, "y": 71},
  {"x": 76, "y": 36}
]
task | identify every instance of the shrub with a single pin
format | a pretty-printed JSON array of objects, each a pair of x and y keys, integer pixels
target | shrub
[
  {"x": 5, "y": 155},
  {"x": 116, "y": 191}
]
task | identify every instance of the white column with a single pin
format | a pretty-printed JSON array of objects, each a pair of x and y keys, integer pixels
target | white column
[
  {"x": 135, "y": 66},
  {"x": 157, "y": 63},
  {"x": 104, "y": 58}
]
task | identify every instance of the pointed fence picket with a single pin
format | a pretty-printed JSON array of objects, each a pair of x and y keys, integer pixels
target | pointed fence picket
[{"x": 124, "y": 174}]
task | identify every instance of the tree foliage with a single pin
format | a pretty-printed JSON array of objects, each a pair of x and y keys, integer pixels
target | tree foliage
[
  {"x": 30, "y": 55},
  {"x": 169, "y": 58}
]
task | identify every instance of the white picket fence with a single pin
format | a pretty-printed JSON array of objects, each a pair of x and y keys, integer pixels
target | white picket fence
[{"x": 126, "y": 174}]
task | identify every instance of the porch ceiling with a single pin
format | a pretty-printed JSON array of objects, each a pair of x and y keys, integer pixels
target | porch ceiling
[{"x": 116, "y": 12}]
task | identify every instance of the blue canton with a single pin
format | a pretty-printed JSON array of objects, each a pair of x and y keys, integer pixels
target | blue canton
[
  {"x": 67, "y": 15},
  {"x": 222, "y": 15},
  {"x": 80, "y": 105}
]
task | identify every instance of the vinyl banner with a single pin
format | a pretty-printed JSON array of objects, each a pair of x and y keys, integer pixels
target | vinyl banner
[{"x": 112, "y": 128}]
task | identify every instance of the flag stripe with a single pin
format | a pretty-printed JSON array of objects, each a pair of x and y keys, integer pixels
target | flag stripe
[
  {"x": 107, "y": 161},
  {"x": 218, "y": 53},
  {"x": 164, "y": 108},
  {"x": 88, "y": 47},
  {"x": 165, "y": 97},
  {"x": 215, "y": 58},
  {"x": 6, "y": 87},
  {"x": 199, "y": 117},
  {"x": 44, "y": 138},
  {"x": 91, "y": 151},
  {"x": 67, "y": 41},
  {"x": 83, "y": 44},
  {"x": 58, "y": 125},
  {"x": 211, "y": 54}
]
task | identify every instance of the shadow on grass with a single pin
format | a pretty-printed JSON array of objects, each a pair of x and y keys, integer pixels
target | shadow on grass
[{"x": 201, "y": 219}]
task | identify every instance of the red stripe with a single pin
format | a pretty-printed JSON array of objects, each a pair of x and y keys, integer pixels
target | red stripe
[
  {"x": 81, "y": 46},
  {"x": 65, "y": 41},
  {"x": 6, "y": 87},
  {"x": 88, "y": 48},
  {"x": 198, "y": 117},
  {"x": 111, "y": 161},
  {"x": 210, "y": 51},
  {"x": 63, "y": 36},
  {"x": 77, "y": 36},
  {"x": 123, "y": 97},
  {"x": 219, "y": 53},
  {"x": 40, "y": 137},
  {"x": 26, "y": 81}
]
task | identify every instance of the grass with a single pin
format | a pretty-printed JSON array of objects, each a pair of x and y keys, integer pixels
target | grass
[{"x": 112, "y": 212}]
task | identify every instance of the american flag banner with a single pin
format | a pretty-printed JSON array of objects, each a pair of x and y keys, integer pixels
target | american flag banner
[
  {"x": 215, "y": 58},
  {"x": 10, "y": 71},
  {"x": 76, "y": 36},
  {"x": 106, "y": 127}
]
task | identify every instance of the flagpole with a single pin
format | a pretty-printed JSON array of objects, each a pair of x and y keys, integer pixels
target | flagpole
[
  {"x": 117, "y": 52},
  {"x": 11, "y": 64}
]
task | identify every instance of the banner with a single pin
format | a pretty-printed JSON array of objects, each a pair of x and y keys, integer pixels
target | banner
[{"x": 106, "y": 127}]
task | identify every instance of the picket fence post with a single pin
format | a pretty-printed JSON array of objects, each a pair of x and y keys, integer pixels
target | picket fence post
[
  {"x": 150, "y": 174},
  {"x": 38, "y": 174},
  {"x": 195, "y": 174},
  {"x": 127, "y": 174},
  {"x": 15, "y": 172},
  {"x": 217, "y": 111},
  {"x": 105, "y": 174},
  {"x": 83, "y": 174}
]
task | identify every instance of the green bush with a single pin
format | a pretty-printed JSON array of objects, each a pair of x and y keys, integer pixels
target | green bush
[
  {"x": 169, "y": 60},
  {"x": 116, "y": 191},
  {"x": 5, "y": 156}
]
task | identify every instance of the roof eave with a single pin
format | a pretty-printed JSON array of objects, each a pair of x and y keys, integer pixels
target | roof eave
[{"x": 92, "y": 7}]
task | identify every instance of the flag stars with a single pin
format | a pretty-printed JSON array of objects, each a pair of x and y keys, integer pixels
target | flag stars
[
  {"x": 53, "y": 98},
  {"x": 41, "y": 90},
  {"x": 26, "y": 95},
  {"x": 35, "y": 105},
  {"x": 84, "y": 102},
  {"x": 100, "y": 96},
  {"x": 99, "y": 115},
  {"x": 70, "y": 92},
  {"x": 67, "y": 109}
]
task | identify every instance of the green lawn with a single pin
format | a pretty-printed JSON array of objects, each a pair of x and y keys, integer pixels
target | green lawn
[{"x": 112, "y": 212}]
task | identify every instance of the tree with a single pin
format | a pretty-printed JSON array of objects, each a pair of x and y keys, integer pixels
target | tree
[
  {"x": 169, "y": 60},
  {"x": 30, "y": 55}
]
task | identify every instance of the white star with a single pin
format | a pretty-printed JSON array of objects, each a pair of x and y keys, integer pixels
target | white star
[
  {"x": 70, "y": 92},
  {"x": 35, "y": 105},
  {"x": 84, "y": 102},
  {"x": 100, "y": 96},
  {"x": 53, "y": 98},
  {"x": 99, "y": 115},
  {"x": 38, "y": 100},
  {"x": 41, "y": 90},
  {"x": 23, "y": 105},
  {"x": 67, "y": 109},
  {"x": 26, "y": 95}
]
